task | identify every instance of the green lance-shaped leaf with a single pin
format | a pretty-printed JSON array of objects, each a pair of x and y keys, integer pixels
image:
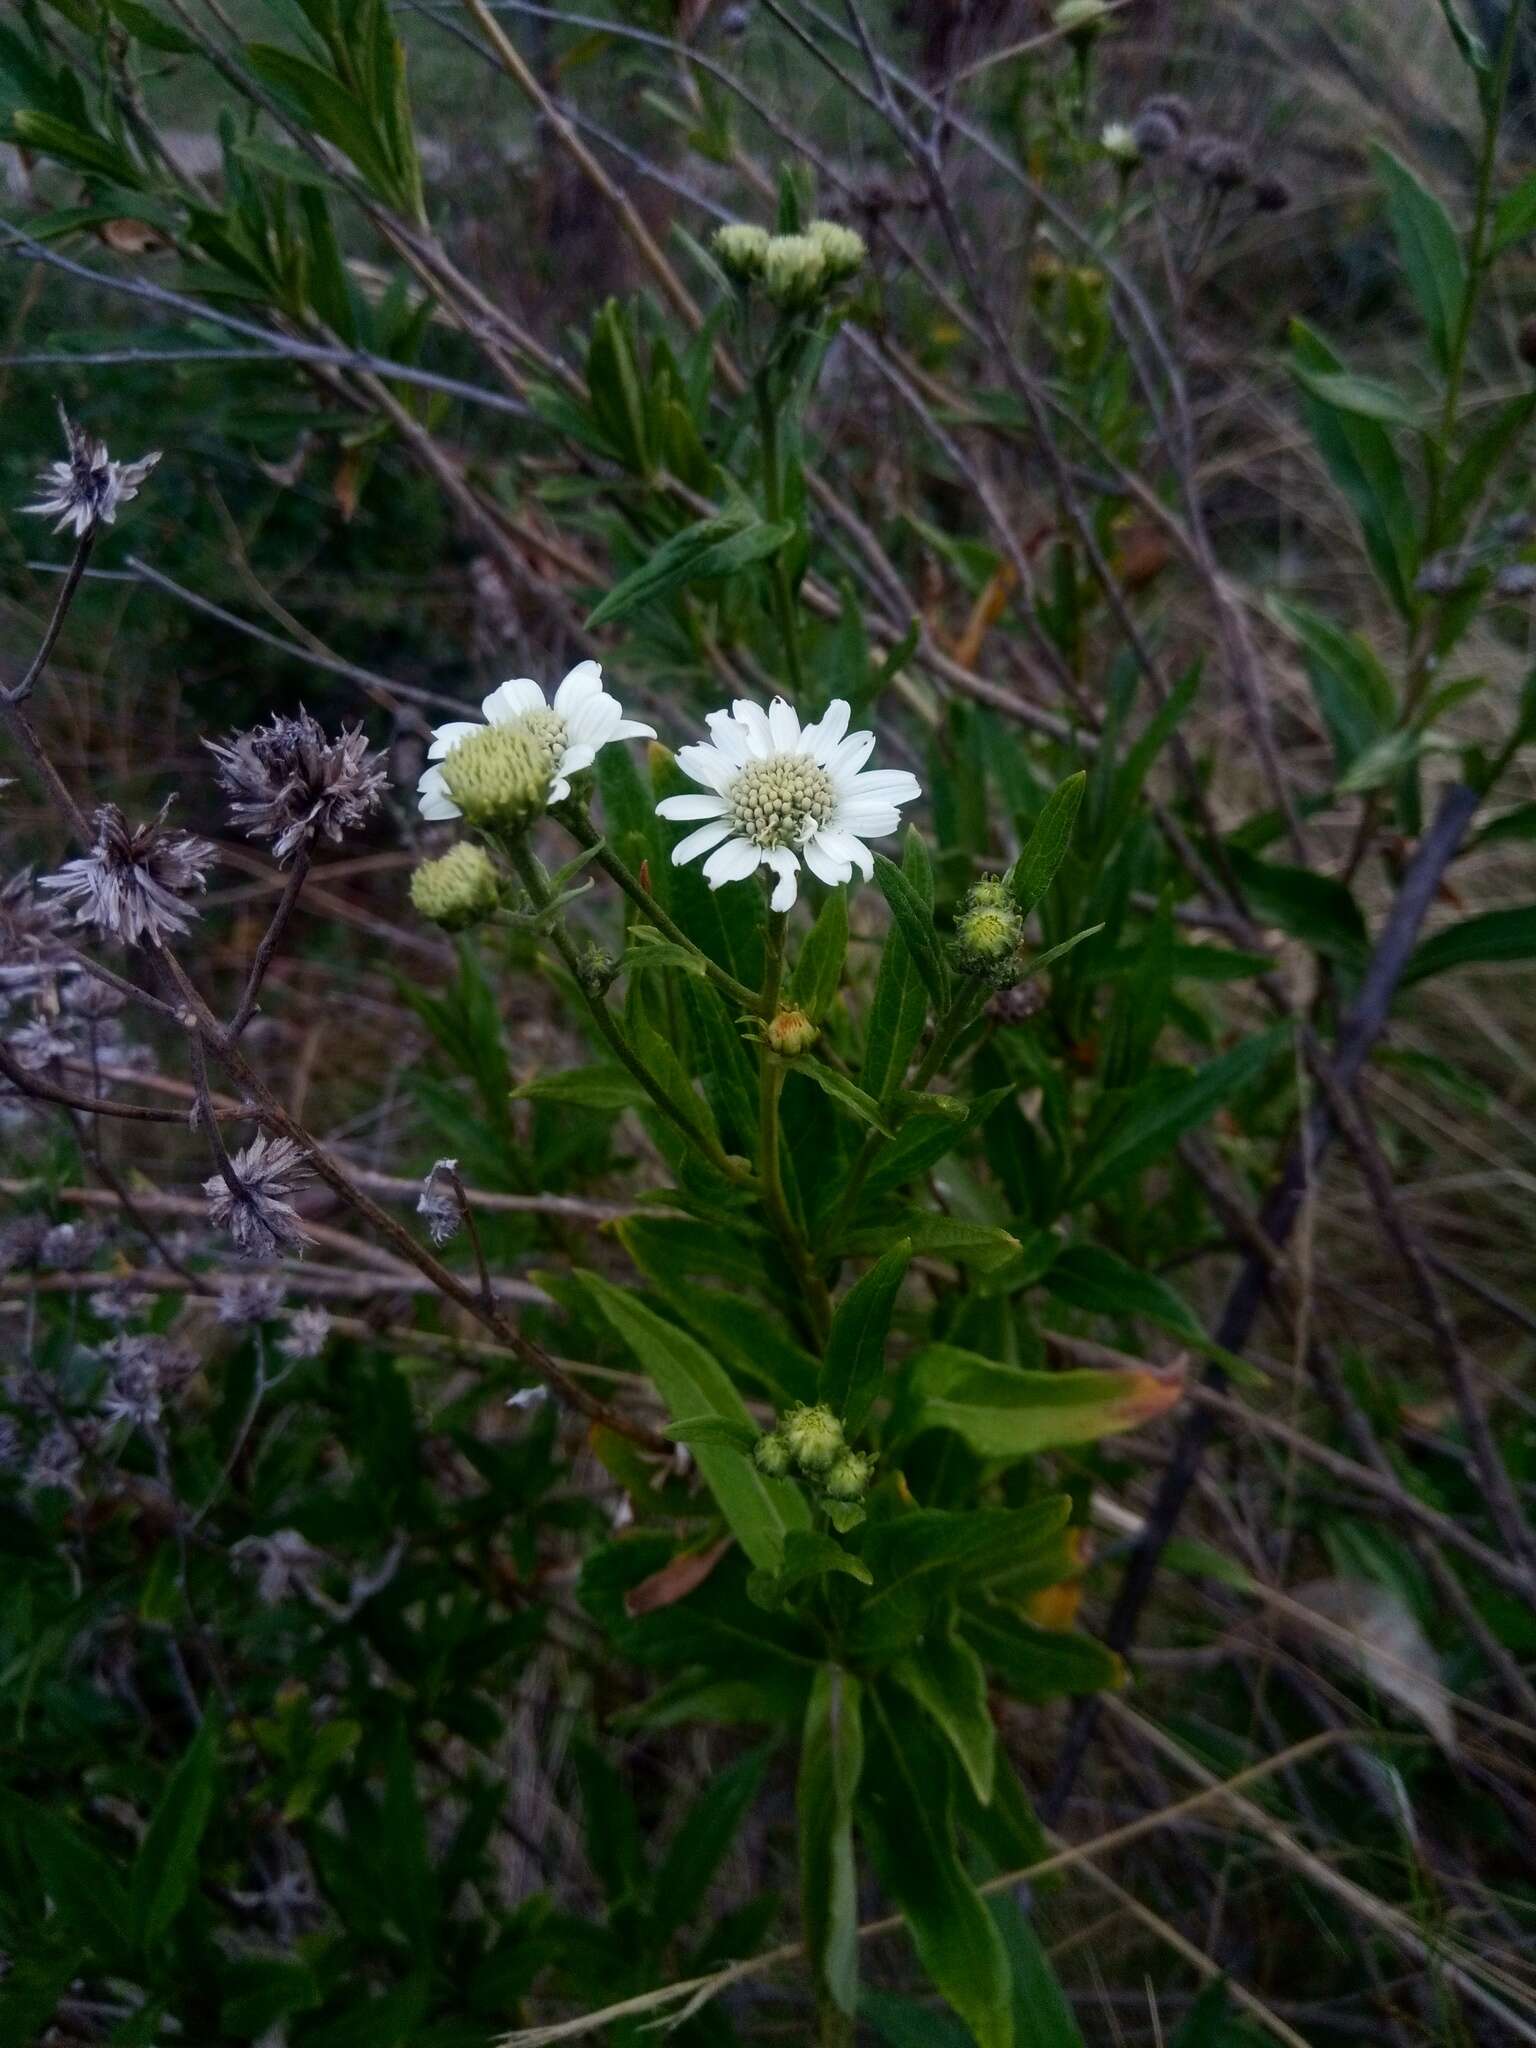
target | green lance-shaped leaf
[
  {"x": 692, "y": 1383},
  {"x": 90, "y": 1903},
  {"x": 855, "y": 1359},
  {"x": 831, "y": 1760},
  {"x": 819, "y": 970},
  {"x": 1429, "y": 247},
  {"x": 914, "y": 920},
  {"x": 1046, "y": 848},
  {"x": 946, "y": 1679},
  {"x": 1003, "y": 1411},
  {"x": 1164, "y": 1106},
  {"x": 713, "y": 547},
  {"x": 165, "y": 1868},
  {"x": 1495, "y": 935}
]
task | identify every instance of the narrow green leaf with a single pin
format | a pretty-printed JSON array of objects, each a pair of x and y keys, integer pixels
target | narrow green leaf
[
  {"x": 1429, "y": 247},
  {"x": 1366, "y": 397},
  {"x": 1036, "y": 1664},
  {"x": 586, "y": 1088},
  {"x": 714, "y": 547},
  {"x": 1166, "y": 1105},
  {"x": 1365, "y": 466},
  {"x": 696, "y": 1851},
  {"x": 1496, "y": 935},
  {"x": 819, "y": 970},
  {"x": 165, "y": 1868},
  {"x": 1353, "y": 690},
  {"x": 914, "y": 920},
  {"x": 831, "y": 1761},
  {"x": 1046, "y": 847},
  {"x": 692, "y": 1383},
  {"x": 1310, "y": 906},
  {"x": 855, "y": 1359},
  {"x": 88, "y": 1896},
  {"x": 947, "y": 1680},
  {"x": 845, "y": 1093},
  {"x": 1515, "y": 216},
  {"x": 1003, "y": 1411}
]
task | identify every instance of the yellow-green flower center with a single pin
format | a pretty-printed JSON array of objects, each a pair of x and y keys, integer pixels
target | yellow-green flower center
[
  {"x": 780, "y": 802},
  {"x": 499, "y": 776}
]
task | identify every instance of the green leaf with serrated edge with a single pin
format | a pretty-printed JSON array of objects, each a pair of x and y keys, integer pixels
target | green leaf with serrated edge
[
  {"x": 854, "y": 1364},
  {"x": 900, "y": 1005},
  {"x": 714, "y": 547},
  {"x": 848, "y": 1095},
  {"x": 586, "y": 1088},
  {"x": 984, "y": 1246},
  {"x": 713, "y": 1429},
  {"x": 1164, "y": 1106},
  {"x": 831, "y": 1761},
  {"x": 1365, "y": 466},
  {"x": 914, "y": 920},
  {"x": 1494, "y": 936},
  {"x": 165, "y": 1868},
  {"x": 947, "y": 1680},
  {"x": 1037, "y": 1664},
  {"x": 818, "y": 972},
  {"x": 1428, "y": 246},
  {"x": 692, "y": 1383},
  {"x": 906, "y": 1807},
  {"x": 1046, "y": 848},
  {"x": 1006, "y": 1411}
]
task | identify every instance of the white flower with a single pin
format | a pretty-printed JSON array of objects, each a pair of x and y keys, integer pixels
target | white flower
[
  {"x": 780, "y": 794},
  {"x": 582, "y": 718}
]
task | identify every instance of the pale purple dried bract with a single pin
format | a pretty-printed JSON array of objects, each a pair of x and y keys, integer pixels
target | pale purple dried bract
[
  {"x": 133, "y": 883},
  {"x": 261, "y": 1218},
  {"x": 292, "y": 783},
  {"x": 86, "y": 488}
]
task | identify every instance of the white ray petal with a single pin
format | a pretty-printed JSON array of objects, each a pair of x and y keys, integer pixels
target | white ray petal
[
  {"x": 823, "y": 863},
  {"x": 783, "y": 727},
  {"x": 681, "y": 807},
  {"x": 787, "y": 868},
  {"x": 433, "y": 799},
  {"x": 732, "y": 862},
  {"x": 512, "y": 699},
  {"x": 704, "y": 765},
  {"x": 829, "y": 729},
  {"x": 848, "y": 757},
  {"x": 729, "y": 737},
  {"x": 701, "y": 841},
  {"x": 584, "y": 680},
  {"x": 759, "y": 733},
  {"x": 446, "y": 737},
  {"x": 848, "y": 848},
  {"x": 593, "y": 719},
  {"x": 892, "y": 785}
]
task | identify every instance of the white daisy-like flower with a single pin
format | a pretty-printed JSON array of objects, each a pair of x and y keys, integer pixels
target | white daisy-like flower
[
  {"x": 570, "y": 731},
  {"x": 780, "y": 793}
]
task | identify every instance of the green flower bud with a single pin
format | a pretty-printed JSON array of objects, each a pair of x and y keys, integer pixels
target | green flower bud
[
  {"x": 1081, "y": 19},
  {"x": 790, "y": 1033},
  {"x": 771, "y": 1455},
  {"x": 842, "y": 250},
  {"x": 990, "y": 893},
  {"x": 499, "y": 777},
  {"x": 458, "y": 890},
  {"x": 988, "y": 933},
  {"x": 794, "y": 270},
  {"x": 814, "y": 1437},
  {"x": 597, "y": 970},
  {"x": 848, "y": 1477},
  {"x": 739, "y": 249}
]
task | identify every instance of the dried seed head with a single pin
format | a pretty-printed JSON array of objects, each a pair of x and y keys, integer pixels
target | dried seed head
[
  {"x": 1271, "y": 194},
  {"x": 55, "y": 1461},
  {"x": 1515, "y": 579},
  {"x": 291, "y": 782},
  {"x": 438, "y": 1204},
  {"x": 307, "y": 1331},
  {"x": 133, "y": 883},
  {"x": 1153, "y": 134},
  {"x": 256, "y": 1298},
  {"x": 794, "y": 270},
  {"x": 30, "y": 926},
  {"x": 260, "y": 1216},
  {"x": 842, "y": 250},
  {"x": 499, "y": 777},
  {"x": 1171, "y": 107},
  {"x": 739, "y": 250},
  {"x": 458, "y": 890},
  {"x": 85, "y": 490},
  {"x": 1017, "y": 1005},
  {"x": 1217, "y": 161}
]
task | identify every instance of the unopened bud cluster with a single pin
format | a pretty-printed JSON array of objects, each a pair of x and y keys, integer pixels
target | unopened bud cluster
[
  {"x": 989, "y": 933},
  {"x": 810, "y": 1442},
  {"x": 794, "y": 271},
  {"x": 460, "y": 889}
]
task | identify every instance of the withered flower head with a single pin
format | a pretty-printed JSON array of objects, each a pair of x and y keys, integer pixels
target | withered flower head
[
  {"x": 86, "y": 489},
  {"x": 439, "y": 1205},
  {"x": 133, "y": 883},
  {"x": 1218, "y": 162},
  {"x": 1171, "y": 107},
  {"x": 261, "y": 1218},
  {"x": 291, "y": 782},
  {"x": 29, "y": 927}
]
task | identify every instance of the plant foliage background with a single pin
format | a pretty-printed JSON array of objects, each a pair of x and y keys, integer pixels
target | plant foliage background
[{"x": 583, "y": 1453}]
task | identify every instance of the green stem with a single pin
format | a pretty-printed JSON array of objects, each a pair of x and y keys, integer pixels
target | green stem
[
  {"x": 818, "y": 1301},
  {"x": 686, "y": 1121},
  {"x": 773, "y": 504},
  {"x": 574, "y": 817}
]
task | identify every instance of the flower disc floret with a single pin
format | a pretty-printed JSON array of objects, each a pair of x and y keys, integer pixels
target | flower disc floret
[
  {"x": 842, "y": 249},
  {"x": 772, "y": 1456},
  {"x": 794, "y": 270},
  {"x": 740, "y": 248},
  {"x": 458, "y": 890},
  {"x": 814, "y": 1436},
  {"x": 499, "y": 777}
]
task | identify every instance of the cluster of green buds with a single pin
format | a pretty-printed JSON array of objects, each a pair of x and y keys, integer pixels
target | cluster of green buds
[
  {"x": 460, "y": 890},
  {"x": 989, "y": 934},
  {"x": 796, "y": 271},
  {"x": 810, "y": 1441}
]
